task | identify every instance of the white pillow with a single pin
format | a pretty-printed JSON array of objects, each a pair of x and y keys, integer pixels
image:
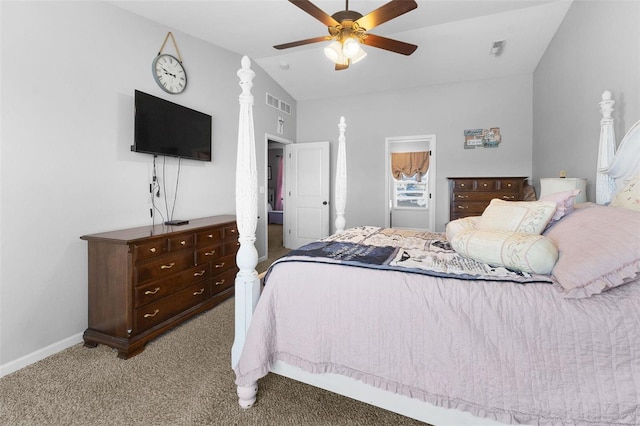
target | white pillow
[
  {"x": 454, "y": 227},
  {"x": 514, "y": 250},
  {"x": 530, "y": 217},
  {"x": 629, "y": 197}
]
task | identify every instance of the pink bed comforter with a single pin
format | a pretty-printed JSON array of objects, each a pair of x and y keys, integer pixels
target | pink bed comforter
[{"x": 511, "y": 352}]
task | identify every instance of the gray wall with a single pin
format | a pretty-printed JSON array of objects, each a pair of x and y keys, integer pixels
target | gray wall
[
  {"x": 445, "y": 111},
  {"x": 69, "y": 70},
  {"x": 596, "y": 48}
]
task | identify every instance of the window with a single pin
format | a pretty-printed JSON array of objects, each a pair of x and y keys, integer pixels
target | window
[{"x": 411, "y": 193}]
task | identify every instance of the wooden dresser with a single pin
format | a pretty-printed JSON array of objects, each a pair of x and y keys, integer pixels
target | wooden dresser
[
  {"x": 469, "y": 196},
  {"x": 144, "y": 281}
]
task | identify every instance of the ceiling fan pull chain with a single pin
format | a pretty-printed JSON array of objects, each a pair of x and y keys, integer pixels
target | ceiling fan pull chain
[{"x": 170, "y": 34}]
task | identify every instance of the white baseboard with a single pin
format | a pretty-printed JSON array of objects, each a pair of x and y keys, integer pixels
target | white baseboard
[{"x": 40, "y": 354}]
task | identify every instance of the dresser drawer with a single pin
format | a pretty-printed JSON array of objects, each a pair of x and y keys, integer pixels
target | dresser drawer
[
  {"x": 486, "y": 185},
  {"x": 222, "y": 264},
  {"x": 155, "y": 313},
  {"x": 511, "y": 185},
  {"x": 157, "y": 289},
  {"x": 208, "y": 254},
  {"x": 231, "y": 247},
  {"x": 223, "y": 281},
  {"x": 472, "y": 196},
  {"x": 169, "y": 265},
  {"x": 230, "y": 231},
  {"x": 208, "y": 237},
  {"x": 464, "y": 184},
  {"x": 181, "y": 242},
  {"x": 149, "y": 249},
  {"x": 469, "y": 208}
]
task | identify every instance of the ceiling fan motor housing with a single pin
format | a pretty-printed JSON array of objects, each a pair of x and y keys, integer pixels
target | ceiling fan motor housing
[{"x": 350, "y": 15}]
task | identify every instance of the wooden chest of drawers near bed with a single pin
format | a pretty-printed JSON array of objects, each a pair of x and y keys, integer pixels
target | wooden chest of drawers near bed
[
  {"x": 144, "y": 281},
  {"x": 469, "y": 196}
]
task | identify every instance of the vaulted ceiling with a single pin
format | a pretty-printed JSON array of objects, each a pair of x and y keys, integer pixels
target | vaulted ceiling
[{"x": 454, "y": 39}]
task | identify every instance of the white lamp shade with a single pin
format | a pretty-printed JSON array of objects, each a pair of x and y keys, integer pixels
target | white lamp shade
[
  {"x": 360, "y": 56},
  {"x": 350, "y": 48},
  {"x": 334, "y": 51},
  {"x": 553, "y": 185}
]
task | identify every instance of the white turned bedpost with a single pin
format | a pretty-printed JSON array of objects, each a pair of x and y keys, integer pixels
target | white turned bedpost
[
  {"x": 605, "y": 184},
  {"x": 247, "y": 285},
  {"x": 341, "y": 178}
]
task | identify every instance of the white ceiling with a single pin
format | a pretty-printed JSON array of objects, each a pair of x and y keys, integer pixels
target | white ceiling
[{"x": 454, "y": 38}]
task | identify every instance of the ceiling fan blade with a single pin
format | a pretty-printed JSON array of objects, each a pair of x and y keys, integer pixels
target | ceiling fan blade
[
  {"x": 302, "y": 42},
  {"x": 389, "y": 44},
  {"x": 316, "y": 12},
  {"x": 386, "y": 13},
  {"x": 340, "y": 67}
]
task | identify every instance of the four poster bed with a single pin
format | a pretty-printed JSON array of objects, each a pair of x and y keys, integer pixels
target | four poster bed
[{"x": 401, "y": 320}]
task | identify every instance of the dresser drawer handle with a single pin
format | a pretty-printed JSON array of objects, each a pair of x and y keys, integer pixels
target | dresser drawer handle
[
  {"x": 233, "y": 231},
  {"x": 199, "y": 292},
  {"x": 153, "y": 314},
  {"x": 152, "y": 250},
  {"x": 508, "y": 184},
  {"x": 220, "y": 282},
  {"x": 157, "y": 289},
  {"x": 462, "y": 207},
  {"x": 210, "y": 253},
  {"x": 462, "y": 196},
  {"x": 169, "y": 266},
  {"x": 509, "y": 197},
  {"x": 462, "y": 184},
  {"x": 220, "y": 265},
  {"x": 199, "y": 274},
  {"x": 210, "y": 235},
  {"x": 183, "y": 243},
  {"x": 484, "y": 184}
]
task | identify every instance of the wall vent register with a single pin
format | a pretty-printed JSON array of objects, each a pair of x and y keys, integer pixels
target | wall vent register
[{"x": 278, "y": 104}]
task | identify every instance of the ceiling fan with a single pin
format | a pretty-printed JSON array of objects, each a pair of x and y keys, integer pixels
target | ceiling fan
[{"x": 349, "y": 29}]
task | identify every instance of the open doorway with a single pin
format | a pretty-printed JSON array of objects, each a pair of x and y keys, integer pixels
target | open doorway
[
  {"x": 410, "y": 188},
  {"x": 274, "y": 200}
]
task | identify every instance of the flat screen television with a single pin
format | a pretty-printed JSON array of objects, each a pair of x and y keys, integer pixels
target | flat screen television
[{"x": 166, "y": 128}]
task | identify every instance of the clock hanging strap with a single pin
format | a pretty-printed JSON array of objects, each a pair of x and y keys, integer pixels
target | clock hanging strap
[{"x": 169, "y": 34}]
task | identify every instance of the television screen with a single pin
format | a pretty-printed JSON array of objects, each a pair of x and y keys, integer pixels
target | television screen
[{"x": 166, "y": 128}]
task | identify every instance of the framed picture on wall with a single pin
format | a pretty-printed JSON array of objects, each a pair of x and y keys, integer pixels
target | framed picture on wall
[{"x": 269, "y": 172}]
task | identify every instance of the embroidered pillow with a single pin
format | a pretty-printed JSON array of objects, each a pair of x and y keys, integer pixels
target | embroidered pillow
[
  {"x": 454, "y": 227},
  {"x": 514, "y": 250},
  {"x": 529, "y": 217},
  {"x": 629, "y": 197},
  {"x": 565, "y": 202},
  {"x": 599, "y": 249}
]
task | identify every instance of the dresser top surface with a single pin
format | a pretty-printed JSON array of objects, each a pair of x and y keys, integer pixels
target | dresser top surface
[
  {"x": 488, "y": 177},
  {"x": 126, "y": 236}
]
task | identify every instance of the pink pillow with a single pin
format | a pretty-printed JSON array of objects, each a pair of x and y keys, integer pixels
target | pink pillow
[
  {"x": 565, "y": 201},
  {"x": 599, "y": 248}
]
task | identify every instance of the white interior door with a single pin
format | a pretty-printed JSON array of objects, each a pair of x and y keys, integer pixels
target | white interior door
[
  {"x": 411, "y": 203},
  {"x": 307, "y": 193}
]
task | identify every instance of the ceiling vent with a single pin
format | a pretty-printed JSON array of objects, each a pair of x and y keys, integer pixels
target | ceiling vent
[
  {"x": 278, "y": 104},
  {"x": 497, "y": 47}
]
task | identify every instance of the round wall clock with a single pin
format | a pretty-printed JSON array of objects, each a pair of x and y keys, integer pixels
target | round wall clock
[{"x": 169, "y": 73}]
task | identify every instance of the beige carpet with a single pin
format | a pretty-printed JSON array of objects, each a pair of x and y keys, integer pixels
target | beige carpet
[
  {"x": 183, "y": 377},
  {"x": 276, "y": 247}
]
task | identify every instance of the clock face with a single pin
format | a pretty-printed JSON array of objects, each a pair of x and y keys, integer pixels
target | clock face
[{"x": 169, "y": 74}]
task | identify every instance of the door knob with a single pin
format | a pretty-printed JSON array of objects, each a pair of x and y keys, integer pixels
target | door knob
[{"x": 324, "y": 203}]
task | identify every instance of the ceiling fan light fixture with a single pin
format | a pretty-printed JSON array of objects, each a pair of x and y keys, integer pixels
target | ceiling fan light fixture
[
  {"x": 359, "y": 56},
  {"x": 351, "y": 47},
  {"x": 333, "y": 51}
]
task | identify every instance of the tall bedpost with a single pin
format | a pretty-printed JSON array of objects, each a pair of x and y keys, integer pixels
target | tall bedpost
[
  {"x": 247, "y": 285},
  {"x": 605, "y": 184},
  {"x": 341, "y": 179}
]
